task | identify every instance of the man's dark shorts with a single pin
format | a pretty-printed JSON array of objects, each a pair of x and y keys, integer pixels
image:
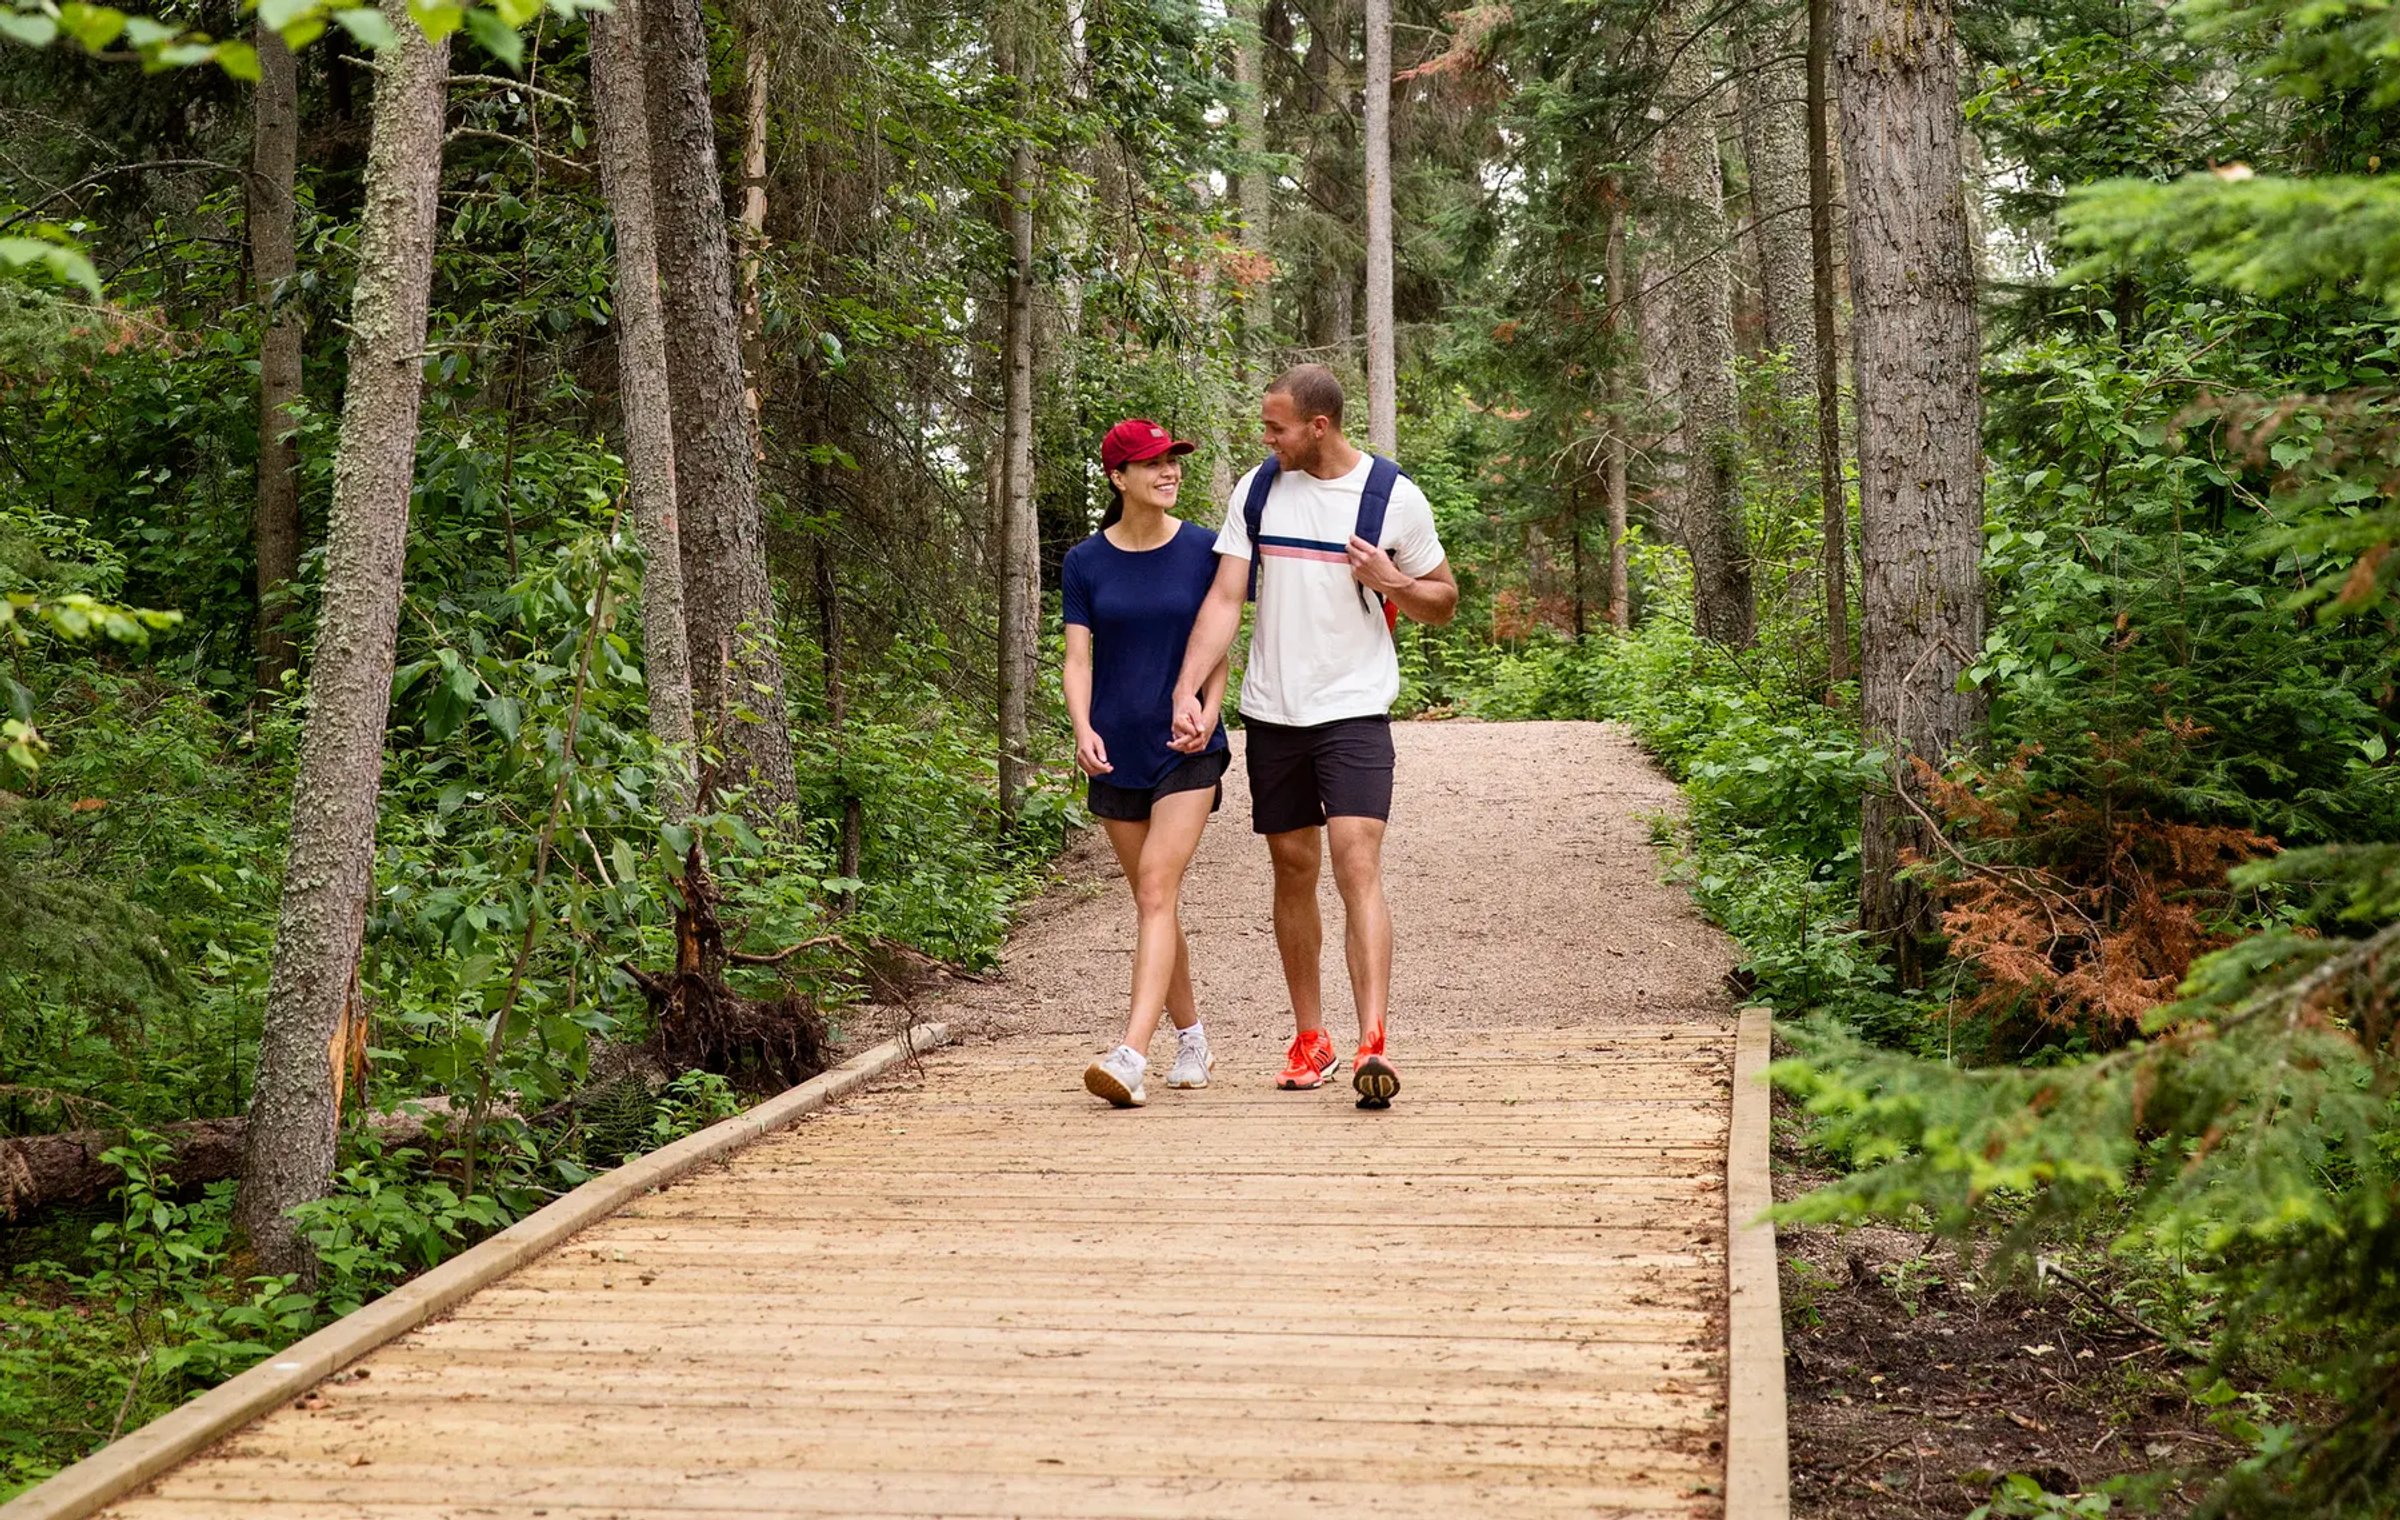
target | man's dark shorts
[
  {"x": 1299, "y": 777},
  {"x": 1132, "y": 805}
]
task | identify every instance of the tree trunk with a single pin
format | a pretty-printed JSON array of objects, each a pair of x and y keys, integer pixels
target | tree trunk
[
  {"x": 754, "y": 230},
  {"x": 1612, "y": 238},
  {"x": 274, "y": 173},
  {"x": 1654, "y": 324},
  {"x": 64, "y": 1170},
  {"x": 1773, "y": 93},
  {"x": 622, "y": 118},
  {"x": 1692, "y": 176},
  {"x": 1832, "y": 492},
  {"x": 1383, "y": 405},
  {"x": 1255, "y": 190},
  {"x": 1329, "y": 312},
  {"x": 1020, "y": 541},
  {"x": 1920, "y": 463},
  {"x": 729, "y": 607},
  {"x": 330, "y": 872}
]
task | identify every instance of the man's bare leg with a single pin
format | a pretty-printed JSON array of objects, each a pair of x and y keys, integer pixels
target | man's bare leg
[
  {"x": 1299, "y": 931},
  {"x": 1367, "y": 918}
]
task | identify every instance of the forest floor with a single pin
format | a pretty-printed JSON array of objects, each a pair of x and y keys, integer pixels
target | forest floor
[{"x": 1917, "y": 1381}]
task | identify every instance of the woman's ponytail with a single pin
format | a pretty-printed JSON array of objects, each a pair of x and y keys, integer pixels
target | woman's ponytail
[{"x": 1116, "y": 507}]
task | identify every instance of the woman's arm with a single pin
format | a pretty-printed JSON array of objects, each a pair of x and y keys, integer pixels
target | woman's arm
[
  {"x": 1212, "y": 706},
  {"x": 1211, "y": 641},
  {"x": 1090, "y": 753}
]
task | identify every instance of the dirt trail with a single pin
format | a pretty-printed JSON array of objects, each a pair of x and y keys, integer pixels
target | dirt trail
[{"x": 1525, "y": 892}]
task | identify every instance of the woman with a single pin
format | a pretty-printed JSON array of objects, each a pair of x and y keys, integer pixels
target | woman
[{"x": 1131, "y": 592}]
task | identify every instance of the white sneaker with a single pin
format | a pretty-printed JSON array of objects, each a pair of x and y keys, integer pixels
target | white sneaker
[
  {"x": 1193, "y": 1059},
  {"x": 1117, "y": 1077}
]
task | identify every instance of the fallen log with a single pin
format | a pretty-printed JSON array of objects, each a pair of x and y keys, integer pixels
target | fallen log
[{"x": 52, "y": 1171}]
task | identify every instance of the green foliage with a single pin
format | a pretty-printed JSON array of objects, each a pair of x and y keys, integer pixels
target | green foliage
[{"x": 2267, "y": 237}]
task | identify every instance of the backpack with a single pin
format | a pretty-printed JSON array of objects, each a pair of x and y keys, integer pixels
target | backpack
[{"x": 1373, "y": 502}]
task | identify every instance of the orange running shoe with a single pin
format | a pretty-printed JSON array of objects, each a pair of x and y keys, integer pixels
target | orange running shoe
[
  {"x": 1372, "y": 1075},
  {"x": 1309, "y": 1062}
]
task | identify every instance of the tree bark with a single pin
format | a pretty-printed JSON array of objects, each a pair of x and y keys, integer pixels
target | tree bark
[
  {"x": 1612, "y": 241},
  {"x": 1329, "y": 312},
  {"x": 1912, "y": 284},
  {"x": 64, "y": 1170},
  {"x": 274, "y": 175},
  {"x": 754, "y": 231},
  {"x": 1255, "y": 191},
  {"x": 1020, "y": 540},
  {"x": 1773, "y": 92},
  {"x": 729, "y": 603},
  {"x": 330, "y": 872},
  {"x": 1692, "y": 175},
  {"x": 1654, "y": 323},
  {"x": 1383, "y": 405},
  {"x": 622, "y": 117},
  {"x": 1831, "y": 491}
]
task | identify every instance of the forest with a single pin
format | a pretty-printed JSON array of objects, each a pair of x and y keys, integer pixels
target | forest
[{"x": 530, "y": 541}]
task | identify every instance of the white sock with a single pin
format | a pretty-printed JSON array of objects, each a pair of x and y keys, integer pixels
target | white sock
[
  {"x": 1187, "y": 1036},
  {"x": 1140, "y": 1062}
]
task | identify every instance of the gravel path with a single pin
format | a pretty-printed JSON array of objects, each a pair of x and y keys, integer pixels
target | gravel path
[{"x": 1526, "y": 893}]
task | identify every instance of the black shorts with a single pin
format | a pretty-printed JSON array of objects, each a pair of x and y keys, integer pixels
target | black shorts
[
  {"x": 1128, "y": 804},
  {"x": 1299, "y": 777}
]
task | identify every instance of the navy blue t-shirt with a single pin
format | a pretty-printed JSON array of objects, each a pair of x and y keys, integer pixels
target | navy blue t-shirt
[{"x": 1139, "y": 607}]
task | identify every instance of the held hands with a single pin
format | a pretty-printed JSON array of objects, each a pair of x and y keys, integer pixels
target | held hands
[
  {"x": 1091, "y": 754},
  {"x": 1373, "y": 569},
  {"x": 1193, "y": 721}
]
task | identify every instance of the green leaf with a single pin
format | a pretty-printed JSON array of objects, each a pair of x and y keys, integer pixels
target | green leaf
[
  {"x": 506, "y": 715},
  {"x": 278, "y": 14},
  {"x": 436, "y": 21},
  {"x": 143, "y": 32},
  {"x": 367, "y": 26},
  {"x": 238, "y": 59},
  {"x": 496, "y": 37},
  {"x": 33, "y": 31},
  {"x": 65, "y": 264},
  {"x": 95, "y": 26}
]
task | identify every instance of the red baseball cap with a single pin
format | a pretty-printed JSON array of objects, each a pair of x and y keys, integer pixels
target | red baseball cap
[{"x": 1136, "y": 439}]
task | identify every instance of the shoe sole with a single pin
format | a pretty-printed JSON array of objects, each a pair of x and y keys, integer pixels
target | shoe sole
[
  {"x": 1194, "y": 1086},
  {"x": 1376, "y": 1082},
  {"x": 1100, "y": 1082}
]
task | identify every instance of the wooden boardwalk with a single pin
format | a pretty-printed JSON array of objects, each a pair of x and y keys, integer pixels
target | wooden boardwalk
[
  {"x": 971, "y": 1294},
  {"x": 974, "y": 1292}
]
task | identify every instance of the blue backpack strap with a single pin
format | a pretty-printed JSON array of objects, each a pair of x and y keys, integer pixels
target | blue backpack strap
[
  {"x": 1376, "y": 499},
  {"x": 1373, "y": 502},
  {"x": 1254, "y": 511}
]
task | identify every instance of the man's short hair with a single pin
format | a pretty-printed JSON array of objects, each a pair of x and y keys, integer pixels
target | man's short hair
[{"x": 1313, "y": 389}]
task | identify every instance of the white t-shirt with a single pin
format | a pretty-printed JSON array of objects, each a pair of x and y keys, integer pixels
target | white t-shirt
[{"x": 1317, "y": 655}]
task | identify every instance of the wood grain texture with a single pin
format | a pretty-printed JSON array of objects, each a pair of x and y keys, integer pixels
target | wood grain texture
[{"x": 978, "y": 1293}]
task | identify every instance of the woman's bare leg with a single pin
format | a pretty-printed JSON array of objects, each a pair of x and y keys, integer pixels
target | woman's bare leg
[{"x": 1154, "y": 861}]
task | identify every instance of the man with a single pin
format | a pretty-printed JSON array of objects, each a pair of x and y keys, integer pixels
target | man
[{"x": 1317, "y": 697}]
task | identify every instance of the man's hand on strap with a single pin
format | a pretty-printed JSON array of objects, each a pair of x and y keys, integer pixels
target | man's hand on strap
[{"x": 1373, "y": 569}]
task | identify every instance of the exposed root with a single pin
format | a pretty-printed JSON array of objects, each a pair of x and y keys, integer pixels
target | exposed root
[{"x": 758, "y": 1044}]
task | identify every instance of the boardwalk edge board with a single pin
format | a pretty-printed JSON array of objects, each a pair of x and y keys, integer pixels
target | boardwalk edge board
[
  {"x": 1758, "y": 1470},
  {"x": 132, "y": 1461}
]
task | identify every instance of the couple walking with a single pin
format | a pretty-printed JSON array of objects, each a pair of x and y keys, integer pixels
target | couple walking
[{"x": 1333, "y": 544}]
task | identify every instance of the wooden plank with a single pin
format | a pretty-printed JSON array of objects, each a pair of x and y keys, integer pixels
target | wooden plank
[
  {"x": 126, "y": 1464},
  {"x": 1758, "y": 1474}
]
